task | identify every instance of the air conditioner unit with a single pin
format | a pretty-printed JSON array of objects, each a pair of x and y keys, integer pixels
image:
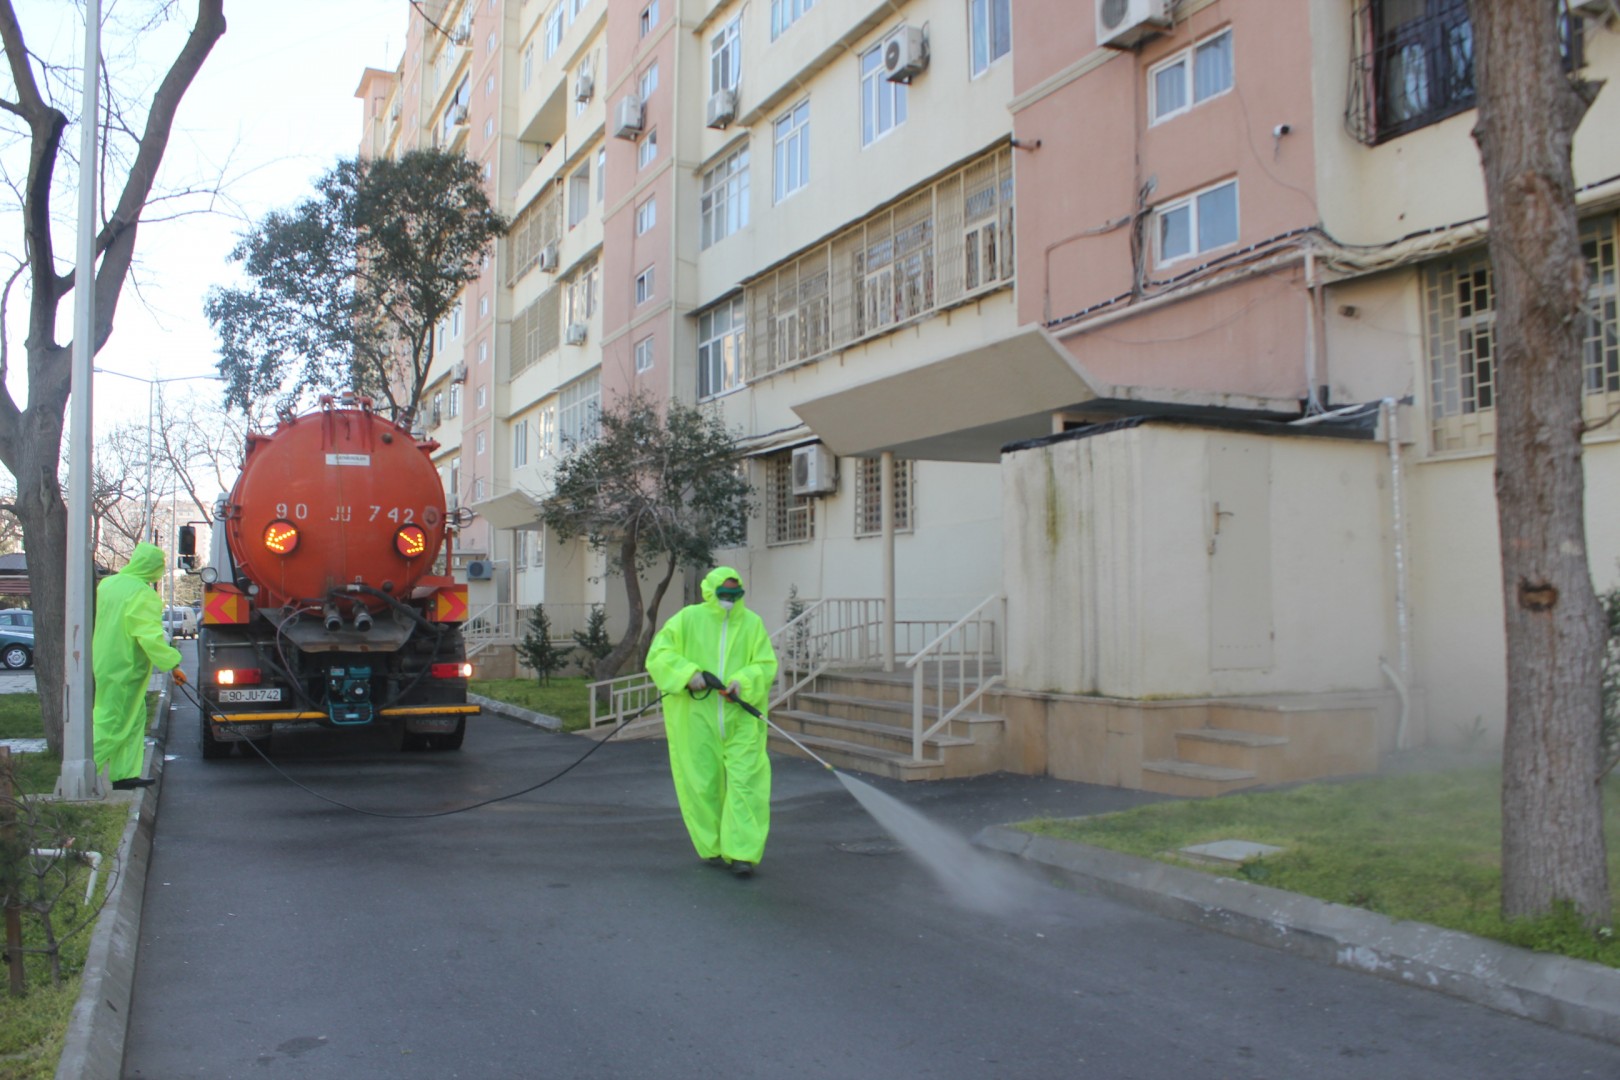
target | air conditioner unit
[
  {"x": 1124, "y": 23},
  {"x": 722, "y": 108},
  {"x": 480, "y": 570},
  {"x": 458, "y": 374},
  {"x": 815, "y": 470},
  {"x": 584, "y": 86},
  {"x": 575, "y": 334},
  {"x": 548, "y": 258},
  {"x": 905, "y": 54},
  {"x": 627, "y": 123}
]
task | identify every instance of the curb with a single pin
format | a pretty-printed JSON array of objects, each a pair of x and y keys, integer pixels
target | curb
[
  {"x": 94, "y": 1046},
  {"x": 513, "y": 712},
  {"x": 1572, "y": 995}
]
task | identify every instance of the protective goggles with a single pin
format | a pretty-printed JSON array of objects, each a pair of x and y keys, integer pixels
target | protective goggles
[{"x": 729, "y": 592}]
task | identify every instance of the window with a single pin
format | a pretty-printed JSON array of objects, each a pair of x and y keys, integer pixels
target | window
[
  {"x": 648, "y": 83},
  {"x": 483, "y": 351},
  {"x": 784, "y": 13},
  {"x": 554, "y": 29},
  {"x": 646, "y": 215},
  {"x": 489, "y": 83},
  {"x": 455, "y": 113},
  {"x": 724, "y": 207},
  {"x": 480, "y": 443},
  {"x": 455, "y": 399},
  {"x": 868, "y": 496},
  {"x": 1199, "y": 223},
  {"x": 455, "y": 483},
  {"x": 489, "y": 126},
  {"x": 990, "y": 25},
  {"x": 483, "y": 307},
  {"x": 647, "y": 149},
  {"x": 455, "y": 321},
  {"x": 580, "y": 295},
  {"x": 546, "y": 431},
  {"x": 725, "y": 57},
  {"x": 436, "y": 414},
  {"x": 721, "y": 336},
  {"x": 579, "y": 194},
  {"x": 644, "y": 285},
  {"x": 578, "y": 408},
  {"x": 520, "y": 444},
  {"x": 483, "y": 396},
  {"x": 789, "y": 518},
  {"x": 644, "y": 355},
  {"x": 489, "y": 45},
  {"x": 793, "y": 150},
  {"x": 1460, "y": 310},
  {"x": 649, "y": 18},
  {"x": 883, "y": 103},
  {"x": 1207, "y": 66},
  {"x": 528, "y": 64},
  {"x": 601, "y": 173}
]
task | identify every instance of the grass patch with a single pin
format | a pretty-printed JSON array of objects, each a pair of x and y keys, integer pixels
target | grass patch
[
  {"x": 20, "y": 718},
  {"x": 36, "y": 774},
  {"x": 1424, "y": 847},
  {"x": 565, "y": 698},
  {"x": 33, "y": 1027}
]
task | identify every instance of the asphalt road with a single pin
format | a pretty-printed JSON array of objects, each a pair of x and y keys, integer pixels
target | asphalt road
[{"x": 572, "y": 933}]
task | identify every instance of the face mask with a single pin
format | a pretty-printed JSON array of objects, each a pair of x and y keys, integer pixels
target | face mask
[{"x": 726, "y": 604}]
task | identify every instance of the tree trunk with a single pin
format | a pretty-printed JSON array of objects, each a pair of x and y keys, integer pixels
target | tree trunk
[
  {"x": 43, "y": 515},
  {"x": 1552, "y": 825},
  {"x": 610, "y": 664},
  {"x": 651, "y": 628}
]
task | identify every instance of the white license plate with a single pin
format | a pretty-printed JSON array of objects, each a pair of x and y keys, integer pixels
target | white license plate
[{"x": 272, "y": 693}]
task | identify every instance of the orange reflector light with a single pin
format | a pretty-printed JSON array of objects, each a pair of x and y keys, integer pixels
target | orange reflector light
[
  {"x": 451, "y": 671},
  {"x": 410, "y": 541},
  {"x": 281, "y": 537},
  {"x": 237, "y": 676}
]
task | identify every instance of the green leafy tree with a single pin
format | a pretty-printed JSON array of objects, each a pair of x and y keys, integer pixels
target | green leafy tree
[
  {"x": 347, "y": 287},
  {"x": 37, "y": 108},
  {"x": 660, "y": 484},
  {"x": 593, "y": 641},
  {"x": 538, "y": 650}
]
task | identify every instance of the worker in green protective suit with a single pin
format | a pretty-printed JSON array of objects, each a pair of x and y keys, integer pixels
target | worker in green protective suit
[
  {"x": 717, "y": 750},
  {"x": 127, "y": 645}
]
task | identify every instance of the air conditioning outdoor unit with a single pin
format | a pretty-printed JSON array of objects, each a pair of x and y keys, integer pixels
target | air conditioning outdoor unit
[
  {"x": 548, "y": 258},
  {"x": 575, "y": 334},
  {"x": 722, "y": 108},
  {"x": 627, "y": 122},
  {"x": 1124, "y": 23},
  {"x": 584, "y": 86},
  {"x": 905, "y": 55},
  {"x": 480, "y": 570},
  {"x": 458, "y": 374},
  {"x": 815, "y": 470}
]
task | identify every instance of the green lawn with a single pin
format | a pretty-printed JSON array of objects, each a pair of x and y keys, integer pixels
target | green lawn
[
  {"x": 1420, "y": 846},
  {"x": 566, "y": 699}
]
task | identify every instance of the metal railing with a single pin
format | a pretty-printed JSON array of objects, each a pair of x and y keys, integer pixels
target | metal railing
[
  {"x": 614, "y": 699},
  {"x": 964, "y": 645},
  {"x": 508, "y": 624}
]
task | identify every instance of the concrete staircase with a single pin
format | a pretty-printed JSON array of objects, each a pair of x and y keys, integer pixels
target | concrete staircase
[
  {"x": 1250, "y": 742},
  {"x": 861, "y": 721}
]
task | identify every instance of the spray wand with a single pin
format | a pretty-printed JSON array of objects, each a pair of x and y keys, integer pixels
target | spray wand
[{"x": 712, "y": 681}]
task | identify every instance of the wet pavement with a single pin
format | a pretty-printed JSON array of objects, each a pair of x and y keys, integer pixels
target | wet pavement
[{"x": 571, "y": 932}]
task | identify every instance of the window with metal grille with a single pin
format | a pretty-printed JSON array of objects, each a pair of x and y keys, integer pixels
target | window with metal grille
[
  {"x": 539, "y": 224},
  {"x": 1460, "y": 312},
  {"x": 869, "y": 498},
  {"x": 789, "y": 518},
  {"x": 580, "y": 406}
]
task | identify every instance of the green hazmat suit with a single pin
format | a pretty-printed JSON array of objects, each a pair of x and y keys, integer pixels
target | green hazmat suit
[
  {"x": 128, "y": 643},
  {"x": 717, "y": 752}
]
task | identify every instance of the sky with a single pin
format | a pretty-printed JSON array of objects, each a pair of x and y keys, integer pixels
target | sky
[{"x": 273, "y": 107}]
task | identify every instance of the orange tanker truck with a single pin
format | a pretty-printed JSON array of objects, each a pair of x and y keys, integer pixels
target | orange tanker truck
[{"x": 321, "y": 603}]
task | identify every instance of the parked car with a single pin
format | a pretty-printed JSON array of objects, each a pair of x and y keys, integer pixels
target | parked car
[
  {"x": 180, "y": 622},
  {"x": 16, "y": 647},
  {"x": 18, "y": 617}
]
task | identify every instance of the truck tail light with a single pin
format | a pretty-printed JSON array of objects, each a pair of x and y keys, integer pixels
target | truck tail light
[
  {"x": 281, "y": 537},
  {"x": 237, "y": 676},
  {"x": 460, "y": 670}
]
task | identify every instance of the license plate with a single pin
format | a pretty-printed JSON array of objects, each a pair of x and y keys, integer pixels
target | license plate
[{"x": 272, "y": 693}]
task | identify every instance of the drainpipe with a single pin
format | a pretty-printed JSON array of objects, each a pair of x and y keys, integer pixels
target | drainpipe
[
  {"x": 886, "y": 489},
  {"x": 1312, "y": 404},
  {"x": 1402, "y": 677}
]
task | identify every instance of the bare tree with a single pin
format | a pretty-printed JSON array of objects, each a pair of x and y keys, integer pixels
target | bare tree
[
  {"x": 1552, "y": 804},
  {"x": 31, "y": 434}
]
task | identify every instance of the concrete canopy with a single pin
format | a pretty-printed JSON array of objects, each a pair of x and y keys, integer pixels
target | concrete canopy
[
  {"x": 509, "y": 510},
  {"x": 963, "y": 407}
]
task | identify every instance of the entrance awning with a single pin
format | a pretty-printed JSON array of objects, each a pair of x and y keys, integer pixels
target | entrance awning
[
  {"x": 509, "y": 510},
  {"x": 964, "y": 407}
]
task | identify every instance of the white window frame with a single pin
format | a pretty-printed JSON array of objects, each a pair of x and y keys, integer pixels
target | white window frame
[
  {"x": 579, "y": 194},
  {"x": 647, "y": 149},
  {"x": 723, "y": 204},
  {"x": 1187, "y": 60},
  {"x": 645, "y": 282},
  {"x": 646, "y": 215},
  {"x": 647, "y": 83},
  {"x": 578, "y": 411},
  {"x": 479, "y": 442},
  {"x": 876, "y": 91},
  {"x": 649, "y": 18},
  {"x": 1191, "y": 204},
  {"x": 528, "y": 65},
  {"x": 725, "y": 57},
  {"x": 784, "y": 13},
  {"x": 791, "y": 137},
  {"x": 554, "y": 29},
  {"x": 722, "y": 343},
  {"x": 644, "y": 355},
  {"x": 985, "y": 17},
  {"x": 601, "y": 173},
  {"x": 520, "y": 444}
]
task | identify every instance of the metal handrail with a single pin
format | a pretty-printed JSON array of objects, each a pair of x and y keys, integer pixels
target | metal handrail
[
  {"x": 935, "y": 652},
  {"x": 625, "y": 694}
]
